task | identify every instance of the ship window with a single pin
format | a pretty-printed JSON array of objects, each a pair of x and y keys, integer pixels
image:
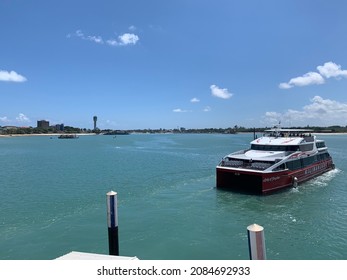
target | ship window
[
  {"x": 292, "y": 148},
  {"x": 320, "y": 144},
  {"x": 307, "y": 161},
  {"x": 323, "y": 156},
  {"x": 307, "y": 147},
  {"x": 277, "y": 148},
  {"x": 326, "y": 155},
  {"x": 281, "y": 167},
  {"x": 294, "y": 165}
]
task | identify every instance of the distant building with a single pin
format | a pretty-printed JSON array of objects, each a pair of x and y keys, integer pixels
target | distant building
[
  {"x": 59, "y": 127},
  {"x": 42, "y": 124},
  {"x": 95, "y": 118}
]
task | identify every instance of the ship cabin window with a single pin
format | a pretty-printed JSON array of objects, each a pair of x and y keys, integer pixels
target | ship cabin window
[
  {"x": 280, "y": 167},
  {"x": 306, "y": 147},
  {"x": 323, "y": 156},
  {"x": 294, "y": 165},
  {"x": 307, "y": 161},
  {"x": 304, "y": 162},
  {"x": 277, "y": 148},
  {"x": 320, "y": 144}
]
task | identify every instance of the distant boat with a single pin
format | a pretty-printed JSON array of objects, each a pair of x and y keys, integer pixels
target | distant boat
[
  {"x": 68, "y": 136},
  {"x": 279, "y": 159},
  {"x": 116, "y": 132}
]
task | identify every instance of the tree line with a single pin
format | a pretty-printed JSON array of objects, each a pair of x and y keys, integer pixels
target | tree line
[{"x": 229, "y": 130}]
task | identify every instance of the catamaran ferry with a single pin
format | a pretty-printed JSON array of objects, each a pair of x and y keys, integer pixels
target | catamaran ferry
[{"x": 281, "y": 158}]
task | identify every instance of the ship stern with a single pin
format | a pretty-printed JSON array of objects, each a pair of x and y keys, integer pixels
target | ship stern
[{"x": 235, "y": 180}]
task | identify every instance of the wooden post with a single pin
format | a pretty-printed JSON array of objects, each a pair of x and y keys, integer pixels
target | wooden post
[
  {"x": 256, "y": 242},
  {"x": 112, "y": 223}
]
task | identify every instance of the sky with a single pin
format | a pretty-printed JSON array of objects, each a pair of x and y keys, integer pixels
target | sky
[{"x": 176, "y": 63}]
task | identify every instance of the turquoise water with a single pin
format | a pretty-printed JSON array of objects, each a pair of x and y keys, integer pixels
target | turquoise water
[{"x": 53, "y": 200}]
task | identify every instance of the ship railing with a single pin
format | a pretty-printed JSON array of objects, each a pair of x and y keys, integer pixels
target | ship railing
[
  {"x": 240, "y": 152},
  {"x": 260, "y": 165},
  {"x": 245, "y": 164},
  {"x": 232, "y": 163}
]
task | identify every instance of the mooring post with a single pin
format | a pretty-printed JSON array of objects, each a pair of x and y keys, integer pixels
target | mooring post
[
  {"x": 112, "y": 223},
  {"x": 256, "y": 242}
]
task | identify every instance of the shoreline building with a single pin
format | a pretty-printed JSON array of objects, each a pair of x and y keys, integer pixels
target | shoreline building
[
  {"x": 42, "y": 124},
  {"x": 59, "y": 127},
  {"x": 95, "y": 119}
]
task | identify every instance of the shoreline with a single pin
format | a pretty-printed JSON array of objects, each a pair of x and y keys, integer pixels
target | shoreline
[
  {"x": 93, "y": 134},
  {"x": 48, "y": 134},
  {"x": 327, "y": 133}
]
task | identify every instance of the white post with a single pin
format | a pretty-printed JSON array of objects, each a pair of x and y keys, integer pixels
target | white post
[
  {"x": 112, "y": 223},
  {"x": 256, "y": 242}
]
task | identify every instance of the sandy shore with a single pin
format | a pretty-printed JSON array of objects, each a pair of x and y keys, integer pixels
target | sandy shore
[
  {"x": 327, "y": 133},
  {"x": 48, "y": 134},
  {"x": 91, "y": 134}
]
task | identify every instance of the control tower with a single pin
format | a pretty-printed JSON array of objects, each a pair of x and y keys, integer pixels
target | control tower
[{"x": 95, "y": 118}]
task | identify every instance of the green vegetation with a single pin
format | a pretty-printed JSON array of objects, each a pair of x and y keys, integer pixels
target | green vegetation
[
  {"x": 230, "y": 130},
  {"x": 239, "y": 129},
  {"x": 35, "y": 130}
]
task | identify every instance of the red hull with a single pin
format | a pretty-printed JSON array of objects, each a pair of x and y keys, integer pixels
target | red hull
[{"x": 251, "y": 181}]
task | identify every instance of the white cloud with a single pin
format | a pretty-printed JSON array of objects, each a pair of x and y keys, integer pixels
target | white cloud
[
  {"x": 111, "y": 123},
  {"x": 220, "y": 92},
  {"x": 95, "y": 39},
  {"x": 79, "y": 33},
  {"x": 207, "y": 109},
  {"x": 122, "y": 40},
  {"x": 194, "y": 100},
  {"x": 178, "y": 110},
  {"x": 330, "y": 69},
  {"x": 4, "y": 120},
  {"x": 319, "y": 112},
  {"x": 322, "y": 108},
  {"x": 273, "y": 117},
  {"x": 132, "y": 28},
  {"x": 128, "y": 39},
  {"x": 310, "y": 78},
  {"x": 112, "y": 42},
  {"x": 22, "y": 118},
  {"x": 11, "y": 76}
]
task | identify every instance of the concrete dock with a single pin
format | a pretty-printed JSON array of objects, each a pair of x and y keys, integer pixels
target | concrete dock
[{"x": 90, "y": 256}]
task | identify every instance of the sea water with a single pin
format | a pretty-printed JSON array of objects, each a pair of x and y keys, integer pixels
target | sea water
[{"x": 53, "y": 200}]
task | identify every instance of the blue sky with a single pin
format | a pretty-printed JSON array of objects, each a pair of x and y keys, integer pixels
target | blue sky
[{"x": 176, "y": 63}]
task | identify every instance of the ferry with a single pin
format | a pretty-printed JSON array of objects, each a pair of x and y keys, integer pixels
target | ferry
[
  {"x": 68, "y": 136},
  {"x": 280, "y": 159}
]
